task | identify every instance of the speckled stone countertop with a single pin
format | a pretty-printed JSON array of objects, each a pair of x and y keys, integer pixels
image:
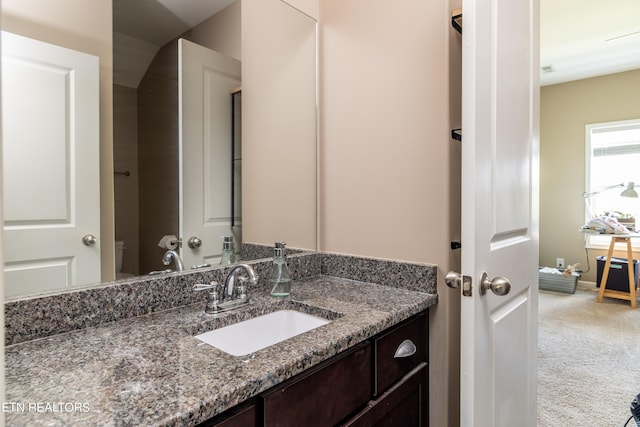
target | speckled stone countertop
[{"x": 149, "y": 370}]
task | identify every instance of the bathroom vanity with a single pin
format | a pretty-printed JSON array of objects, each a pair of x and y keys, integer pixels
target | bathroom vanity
[
  {"x": 150, "y": 370},
  {"x": 364, "y": 386}
]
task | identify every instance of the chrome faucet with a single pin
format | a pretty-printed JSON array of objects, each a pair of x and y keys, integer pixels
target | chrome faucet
[
  {"x": 229, "y": 282},
  {"x": 171, "y": 254},
  {"x": 230, "y": 296}
]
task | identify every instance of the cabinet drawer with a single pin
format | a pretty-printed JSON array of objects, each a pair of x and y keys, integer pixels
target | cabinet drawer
[
  {"x": 243, "y": 415},
  {"x": 404, "y": 404},
  {"x": 390, "y": 367},
  {"x": 324, "y": 396}
]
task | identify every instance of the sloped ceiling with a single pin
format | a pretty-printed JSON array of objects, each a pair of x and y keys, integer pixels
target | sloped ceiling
[
  {"x": 159, "y": 21},
  {"x": 141, "y": 27},
  {"x": 588, "y": 38}
]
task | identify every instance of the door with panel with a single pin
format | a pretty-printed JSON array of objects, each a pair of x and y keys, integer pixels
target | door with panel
[
  {"x": 207, "y": 80},
  {"x": 500, "y": 114},
  {"x": 50, "y": 150}
]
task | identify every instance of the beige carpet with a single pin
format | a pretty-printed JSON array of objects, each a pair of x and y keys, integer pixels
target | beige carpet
[{"x": 588, "y": 360}]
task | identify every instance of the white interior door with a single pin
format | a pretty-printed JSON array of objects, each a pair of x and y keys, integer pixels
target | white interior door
[
  {"x": 206, "y": 80},
  {"x": 500, "y": 110},
  {"x": 50, "y": 150}
]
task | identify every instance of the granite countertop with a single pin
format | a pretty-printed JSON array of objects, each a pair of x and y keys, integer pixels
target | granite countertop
[{"x": 150, "y": 370}]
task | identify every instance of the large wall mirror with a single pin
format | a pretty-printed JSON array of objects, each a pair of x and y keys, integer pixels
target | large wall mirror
[{"x": 269, "y": 108}]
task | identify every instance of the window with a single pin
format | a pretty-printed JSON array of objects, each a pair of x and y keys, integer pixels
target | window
[{"x": 613, "y": 158}]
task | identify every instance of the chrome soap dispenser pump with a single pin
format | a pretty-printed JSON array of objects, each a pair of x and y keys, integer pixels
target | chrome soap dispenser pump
[
  {"x": 280, "y": 278},
  {"x": 228, "y": 251}
]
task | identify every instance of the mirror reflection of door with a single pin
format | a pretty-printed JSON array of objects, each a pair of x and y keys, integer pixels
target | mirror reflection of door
[
  {"x": 50, "y": 153},
  {"x": 146, "y": 137},
  {"x": 207, "y": 81},
  {"x": 184, "y": 153}
]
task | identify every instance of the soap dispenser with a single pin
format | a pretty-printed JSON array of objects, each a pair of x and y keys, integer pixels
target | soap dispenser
[
  {"x": 280, "y": 278},
  {"x": 228, "y": 251}
]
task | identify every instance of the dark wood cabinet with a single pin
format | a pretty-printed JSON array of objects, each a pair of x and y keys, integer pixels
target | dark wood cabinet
[
  {"x": 390, "y": 366},
  {"x": 324, "y": 396},
  {"x": 243, "y": 415},
  {"x": 372, "y": 384},
  {"x": 403, "y": 404}
]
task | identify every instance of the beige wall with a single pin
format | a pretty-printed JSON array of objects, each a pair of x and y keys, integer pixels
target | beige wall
[
  {"x": 85, "y": 26},
  {"x": 310, "y": 7},
  {"x": 385, "y": 153},
  {"x": 221, "y": 32},
  {"x": 278, "y": 125},
  {"x": 565, "y": 109}
]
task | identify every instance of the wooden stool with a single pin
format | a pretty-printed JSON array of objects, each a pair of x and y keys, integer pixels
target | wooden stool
[{"x": 628, "y": 296}]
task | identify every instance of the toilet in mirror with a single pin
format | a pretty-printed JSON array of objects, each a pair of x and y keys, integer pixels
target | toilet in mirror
[{"x": 120, "y": 248}]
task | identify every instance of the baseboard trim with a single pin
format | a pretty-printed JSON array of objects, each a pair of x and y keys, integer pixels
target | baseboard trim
[{"x": 588, "y": 286}]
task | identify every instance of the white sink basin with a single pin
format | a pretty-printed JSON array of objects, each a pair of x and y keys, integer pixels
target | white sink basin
[{"x": 261, "y": 332}]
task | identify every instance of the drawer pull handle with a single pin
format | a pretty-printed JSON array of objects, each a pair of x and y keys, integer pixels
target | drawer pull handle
[{"x": 406, "y": 349}]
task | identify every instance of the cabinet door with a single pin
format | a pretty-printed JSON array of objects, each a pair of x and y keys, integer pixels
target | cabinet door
[
  {"x": 404, "y": 404},
  {"x": 323, "y": 397}
]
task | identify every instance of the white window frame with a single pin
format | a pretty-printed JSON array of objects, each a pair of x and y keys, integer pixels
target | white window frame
[{"x": 603, "y": 241}]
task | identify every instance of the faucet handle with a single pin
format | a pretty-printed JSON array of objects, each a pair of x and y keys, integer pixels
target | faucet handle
[
  {"x": 211, "y": 306},
  {"x": 205, "y": 265},
  {"x": 203, "y": 286}
]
